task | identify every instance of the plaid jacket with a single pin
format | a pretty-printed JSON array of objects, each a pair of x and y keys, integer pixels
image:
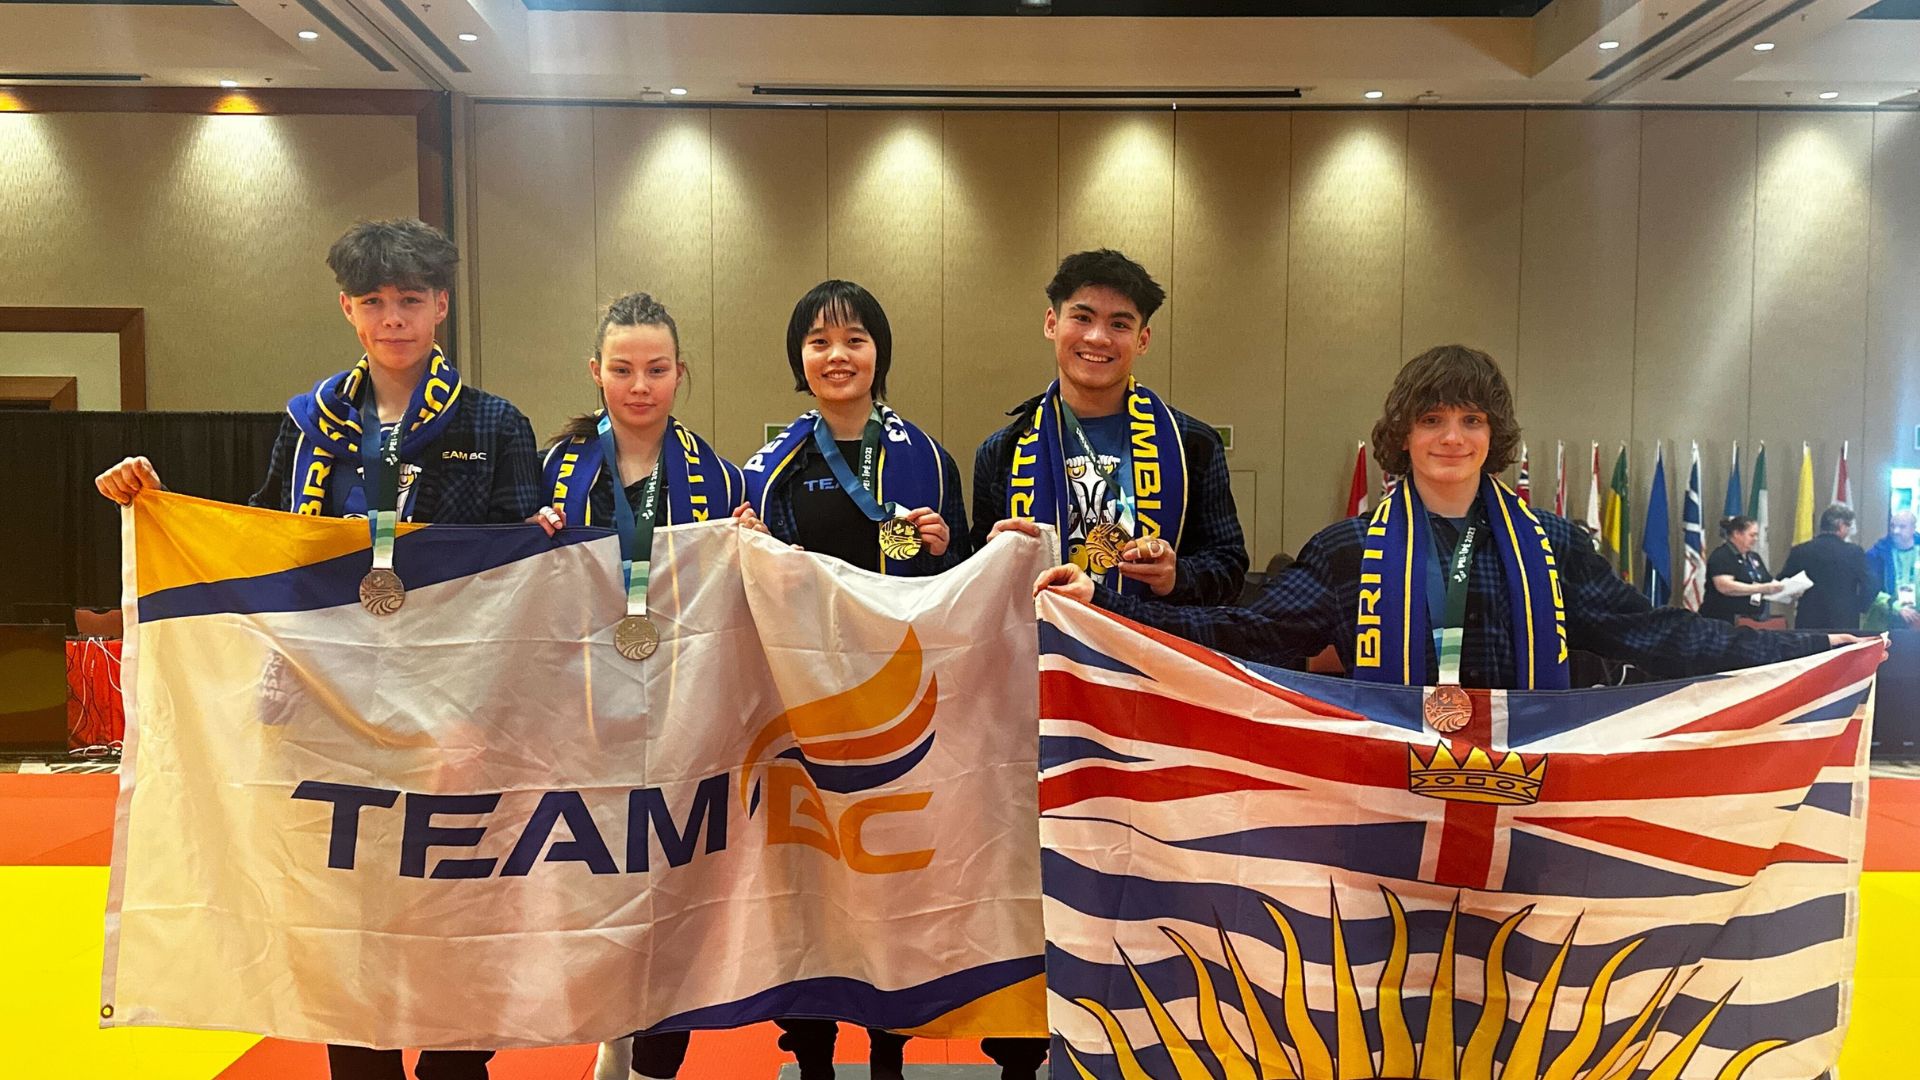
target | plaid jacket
[
  {"x": 1213, "y": 551},
  {"x": 1313, "y": 603},
  {"x": 482, "y": 470}
]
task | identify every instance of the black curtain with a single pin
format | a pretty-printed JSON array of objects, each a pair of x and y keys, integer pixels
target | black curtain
[{"x": 59, "y": 540}]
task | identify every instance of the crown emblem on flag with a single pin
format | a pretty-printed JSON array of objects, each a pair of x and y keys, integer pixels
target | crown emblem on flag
[{"x": 1478, "y": 778}]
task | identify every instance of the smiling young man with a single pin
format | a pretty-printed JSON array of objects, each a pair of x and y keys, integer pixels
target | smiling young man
[
  {"x": 1138, "y": 490},
  {"x": 1454, "y": 579},
  {"x": 458, "y": 454}
]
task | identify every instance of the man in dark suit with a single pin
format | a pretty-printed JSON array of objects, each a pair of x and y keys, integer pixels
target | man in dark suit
[{"x": 1843, "y": 586}]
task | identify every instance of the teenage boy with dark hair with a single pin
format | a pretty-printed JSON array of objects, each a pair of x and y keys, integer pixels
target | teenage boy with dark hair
[
  {"x": 461, "y": 456},
  {"x": 1138, "y": 490}
]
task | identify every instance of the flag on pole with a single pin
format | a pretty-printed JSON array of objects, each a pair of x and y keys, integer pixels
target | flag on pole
[
  {"x": 1616, "y": 519},
  {"x": 1803, "y": 512},
  {"x": 1524, "y": 488},
  {"x": 1560, "y": 477},
  {"x": 1733, "y": 507},
  {"x": 1357, "y": 492},
  {"x": 1842, "y": 490},
  {"x": 1593, "y": 491},
  {"x": 1656, "y": 546},
  {"x": 1757, "y": 501},
  {"x": 1693, "y": 586}
]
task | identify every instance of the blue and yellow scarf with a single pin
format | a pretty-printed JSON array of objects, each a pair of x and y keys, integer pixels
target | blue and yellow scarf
[
  {"x": 331, "y": 427},
  {"x": 1037, "y": 486},
  {"x": 700, "y": 483},
  {"x": 909, "y": 470},
  {"x": 1391, "y": 625}
]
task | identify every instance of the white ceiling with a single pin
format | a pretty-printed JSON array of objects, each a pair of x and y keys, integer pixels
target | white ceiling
[{"x": 1696, "y": 52}]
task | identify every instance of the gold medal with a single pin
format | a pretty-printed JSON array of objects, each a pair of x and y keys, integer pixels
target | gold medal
[
  {"x": 899, "y": 538},
  {"x": 1105, "y": 541},
  {"x": 381, "y": 592},
  {"x": 635, "y": 637},
  {"x": 1448, "y": 708}
]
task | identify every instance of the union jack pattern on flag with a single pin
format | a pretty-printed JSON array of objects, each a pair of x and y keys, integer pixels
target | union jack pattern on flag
[{"x": 1251, "y": 872}]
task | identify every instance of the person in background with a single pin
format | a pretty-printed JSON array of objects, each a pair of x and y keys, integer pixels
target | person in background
[
  {"x": 1737, "y": 581},
  {"x": 1893, "y": 562},
  {"x": 1843, "y": 584}
]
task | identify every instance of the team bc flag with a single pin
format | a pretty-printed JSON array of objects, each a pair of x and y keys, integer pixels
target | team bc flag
[
  {"x": 1259, "y": 873},
  {"x": 474, "y": 824}
]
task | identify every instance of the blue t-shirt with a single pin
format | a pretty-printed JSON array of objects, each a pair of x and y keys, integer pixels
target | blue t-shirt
[{"x": 1090, "y": 499}]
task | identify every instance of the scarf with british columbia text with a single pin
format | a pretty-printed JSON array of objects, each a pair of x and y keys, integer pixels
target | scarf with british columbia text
[
  {"x": 1391, "y": 625},
  {"x": 331, "y": 430},
  {"x": 700, "y": 483},
  {"x": 909, "y": 471},
  {"x": 1038, "y": 486}
]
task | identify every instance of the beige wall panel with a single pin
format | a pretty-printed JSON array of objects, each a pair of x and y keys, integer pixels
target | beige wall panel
[
  {"x": 1116, "y": 190},
  {"x": 1579, "y": 250},
  {"x": 1810, "y": 297},
  {"x": 1893, "y": 324},
  {"x": 883, "y": 231},
  {"x": 1000, "y": 220},
  {"x": 533, "y": 257},
  {"x": 653, "y": 223},
  {"x": 1694, "y": 302},
  {"x": 1230, "y": 275},
  {"x": 1345, "y": 257},
  {"x": 1463, "y": 232},
  {"x": 93, "y": 360},
  {"x": 769, "y": 248},
  {"x": 173, "y": 212}
]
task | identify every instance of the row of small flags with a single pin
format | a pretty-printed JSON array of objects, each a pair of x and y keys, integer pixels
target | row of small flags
[{"x": 1610, "y": 508}]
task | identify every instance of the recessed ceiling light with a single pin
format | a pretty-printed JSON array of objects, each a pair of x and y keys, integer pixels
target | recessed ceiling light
[
  {"x": 1763, "y": 46},
  {"x": 228, "y": 84},
  {"x": 309, "y": 35},
  {"x": 1374, "y": 95},
  {"x": 1609, "y": 45},
  {"x": 677, "y": 91},
  {"x": 469, "y": 37},
  {"x": 1829, "y": 95}
]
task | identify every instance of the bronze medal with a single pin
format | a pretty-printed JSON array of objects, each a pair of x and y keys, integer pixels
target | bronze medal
[
  {"x": 635, "y": 637},
  {"x": 381, "y": 592},
  {"x": 1448, "y": 708},
  {"x": 1105, "y": 542},
  {"x": 899, "y": 538}
]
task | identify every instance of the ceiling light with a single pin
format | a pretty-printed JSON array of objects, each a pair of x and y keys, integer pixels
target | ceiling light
[
  {"x": 228, "y": 84},
  {"x": 1374, "y": 95},
  {"x": 1609, "y": 45},
  {"x": 469, "y": 37},
  {"x": 677, "y": 91},
  {"x": 309, "y": 35},
  {"x": 1763, "y": 46},
  {"x": 1829, "y": 95}
]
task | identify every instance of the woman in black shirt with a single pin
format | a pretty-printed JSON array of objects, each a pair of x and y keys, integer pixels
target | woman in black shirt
[{"x": 1736, "y": 575}]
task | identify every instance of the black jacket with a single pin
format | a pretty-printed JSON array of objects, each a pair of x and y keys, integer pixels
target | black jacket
[{"x": 1843, "y": 586}]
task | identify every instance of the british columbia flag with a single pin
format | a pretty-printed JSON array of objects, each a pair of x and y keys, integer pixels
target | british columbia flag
[{"x": 1254, "y": 873}]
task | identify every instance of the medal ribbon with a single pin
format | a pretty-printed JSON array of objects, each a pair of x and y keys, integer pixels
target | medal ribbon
[
  {"x": 860, "y": 488},
  {"x": 636, "y": 531},
  {"x": 1450, "y": 630},
  {"x": 1119, "y": 478},
  {"x": 382, "y": 472}
]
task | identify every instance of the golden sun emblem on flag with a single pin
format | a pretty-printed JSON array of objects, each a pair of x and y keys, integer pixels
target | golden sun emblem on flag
[{"x": 1306, "y": 1055}]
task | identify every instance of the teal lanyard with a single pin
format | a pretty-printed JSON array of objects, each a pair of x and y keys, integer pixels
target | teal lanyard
[
  {"x": 1119, "y": 480},
  {"x": 381, "y": 472},
  {"x": 636, "y": 532},
  {"x": 1449, "y": 635},
  {"x": 858, "y": 488}
]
